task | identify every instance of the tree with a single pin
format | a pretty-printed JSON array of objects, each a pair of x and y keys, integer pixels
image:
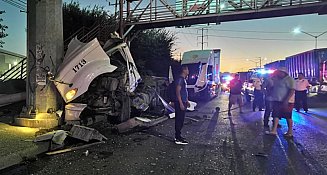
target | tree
[
  {"x": 2, "y": 31},
  {"x": 151, "y": 47},
  {"x": 76, "y": 18},
  {"x": 152, "y": 51}
]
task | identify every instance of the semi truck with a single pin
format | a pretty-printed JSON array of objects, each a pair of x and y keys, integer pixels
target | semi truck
[
  {"x": 95, "y": 79},
  {"x": 204, "y": 68}
]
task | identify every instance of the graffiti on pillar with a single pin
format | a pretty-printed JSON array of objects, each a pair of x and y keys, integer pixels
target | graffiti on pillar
[{"x": 41, "y": 78}]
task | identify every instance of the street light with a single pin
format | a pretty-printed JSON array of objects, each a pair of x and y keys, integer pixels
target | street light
[{"x": 298, "y": 31}]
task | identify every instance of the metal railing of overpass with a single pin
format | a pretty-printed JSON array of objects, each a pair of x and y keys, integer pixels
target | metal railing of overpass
[
  {"x": 16, "y": 72},
  {"x": 145, "y": 14}
]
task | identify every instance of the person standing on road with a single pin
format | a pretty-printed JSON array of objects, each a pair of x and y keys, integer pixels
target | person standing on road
[
  {"x": 258, "y": 95},
  {"x": 235, "y": 95},
  {"x": 301, "y": 87},
  {"x": 283, "y": 100},
  {"x": 180, "y": 105},
  {"x": 267, "y": 87}
]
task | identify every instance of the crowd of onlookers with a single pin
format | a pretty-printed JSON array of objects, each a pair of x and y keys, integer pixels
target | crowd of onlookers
[{"x": 277, "y": 94}]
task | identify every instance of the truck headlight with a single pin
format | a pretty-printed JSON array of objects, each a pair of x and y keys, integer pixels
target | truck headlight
[{"x": 70, "y": 94}]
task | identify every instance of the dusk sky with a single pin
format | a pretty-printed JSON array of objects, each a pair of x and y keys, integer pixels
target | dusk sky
[{"x": 267, "y": 38}]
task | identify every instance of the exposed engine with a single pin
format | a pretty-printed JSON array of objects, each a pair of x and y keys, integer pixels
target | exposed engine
[{"x": 113, "y": 92}]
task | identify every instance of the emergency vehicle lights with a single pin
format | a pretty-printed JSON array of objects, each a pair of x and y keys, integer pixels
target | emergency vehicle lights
[
  {"x": 228, "y": 78},
  {"x": 70, "y": 94},
  {"x": 264, "y": 71}
]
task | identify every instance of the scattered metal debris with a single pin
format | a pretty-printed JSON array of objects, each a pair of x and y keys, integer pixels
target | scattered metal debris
[
  {"x": 56, "y": 137},
  {"x": 260, "y": 154},
  {"x": 139, "y": 121},
  {"x": 192, "y": 119},
  {"x": 142, "y": 119},
  {"x": 172, "y": 115},
  {"x": 128, "y": 125},
  {"x": 86, "y": 134},
  {"x": 155, "y": 121},
  {"x": 73, "y": 149},
  {"x": 87, "y": 153}
]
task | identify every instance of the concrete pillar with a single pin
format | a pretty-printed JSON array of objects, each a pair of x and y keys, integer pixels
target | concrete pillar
[{"x": 45, "y": 52}]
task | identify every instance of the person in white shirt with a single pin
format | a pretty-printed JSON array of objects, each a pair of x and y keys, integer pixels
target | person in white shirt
[
  {"x": 283, "y": 100},
  {"x": 301, "y": 86}
]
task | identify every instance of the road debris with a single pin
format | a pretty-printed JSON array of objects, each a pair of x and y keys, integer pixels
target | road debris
[
  {"x": 57, "y": 137},
  {"x": 143, "y": 119},
  {"x": 86, "y": 153},
  {"x": 171, "y": 115},
  {"x": 260, "y": 154},
  {"x": 139, "y": 122},
  {"x": 192, "y": 119},
  {"x": 86, "y": 134},
  {"x": 128, "y": 125},
  {"x": 155, "y": 121},
  {"x": 73, "y": 149}
]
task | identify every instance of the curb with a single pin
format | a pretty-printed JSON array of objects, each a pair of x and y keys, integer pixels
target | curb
[{"x": 17, "y": 158}]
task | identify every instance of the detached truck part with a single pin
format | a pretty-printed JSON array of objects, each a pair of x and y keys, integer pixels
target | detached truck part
[
  {"x": 94, "y": 79},
  {"x": 204, "y": 69}
]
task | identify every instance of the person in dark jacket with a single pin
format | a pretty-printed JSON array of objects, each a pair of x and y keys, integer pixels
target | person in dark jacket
[{"x": 180, "y": 105}]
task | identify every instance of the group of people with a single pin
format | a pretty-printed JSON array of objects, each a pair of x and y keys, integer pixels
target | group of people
[{"x": 278, "y": 93}]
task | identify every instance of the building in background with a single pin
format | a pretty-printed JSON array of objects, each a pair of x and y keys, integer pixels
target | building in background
[{"x": 8, "y": 60}]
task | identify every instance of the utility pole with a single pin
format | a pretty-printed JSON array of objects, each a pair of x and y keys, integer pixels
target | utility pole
[
  {"x": 45, "y": 48},
  {"x": 121, "y": 18},
  {"x": 202, "y": 37}
]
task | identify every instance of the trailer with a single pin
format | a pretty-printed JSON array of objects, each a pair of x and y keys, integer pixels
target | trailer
[
  {"x": 275, "y": 65},
  {"x": 311, "y": 63}
]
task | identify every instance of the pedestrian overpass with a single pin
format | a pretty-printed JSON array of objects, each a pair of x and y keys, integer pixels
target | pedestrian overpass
[{"x": 146, "y": 14}]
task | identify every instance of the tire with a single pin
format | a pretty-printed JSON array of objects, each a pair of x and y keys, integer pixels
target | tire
[{"x": 126, "y": 109}]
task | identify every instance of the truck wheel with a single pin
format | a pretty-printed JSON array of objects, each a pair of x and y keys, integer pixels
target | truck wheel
[{"x": 126, "y": 109}]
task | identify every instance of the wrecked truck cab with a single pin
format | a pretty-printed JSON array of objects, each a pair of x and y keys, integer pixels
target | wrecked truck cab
[
  {"x": 82, "y": 63},
  {"x": 100, "y": 79}
]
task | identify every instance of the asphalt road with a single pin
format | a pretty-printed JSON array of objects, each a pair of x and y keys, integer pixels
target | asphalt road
[{"x": 218, "y": 145}]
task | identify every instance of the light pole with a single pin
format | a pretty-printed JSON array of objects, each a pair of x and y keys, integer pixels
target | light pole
[{"x": 298, "y": 30}]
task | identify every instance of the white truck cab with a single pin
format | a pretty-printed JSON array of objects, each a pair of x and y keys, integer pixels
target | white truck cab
[
  {"x": 204, "y": 69},
  {"x": 98, "y": 78}
]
